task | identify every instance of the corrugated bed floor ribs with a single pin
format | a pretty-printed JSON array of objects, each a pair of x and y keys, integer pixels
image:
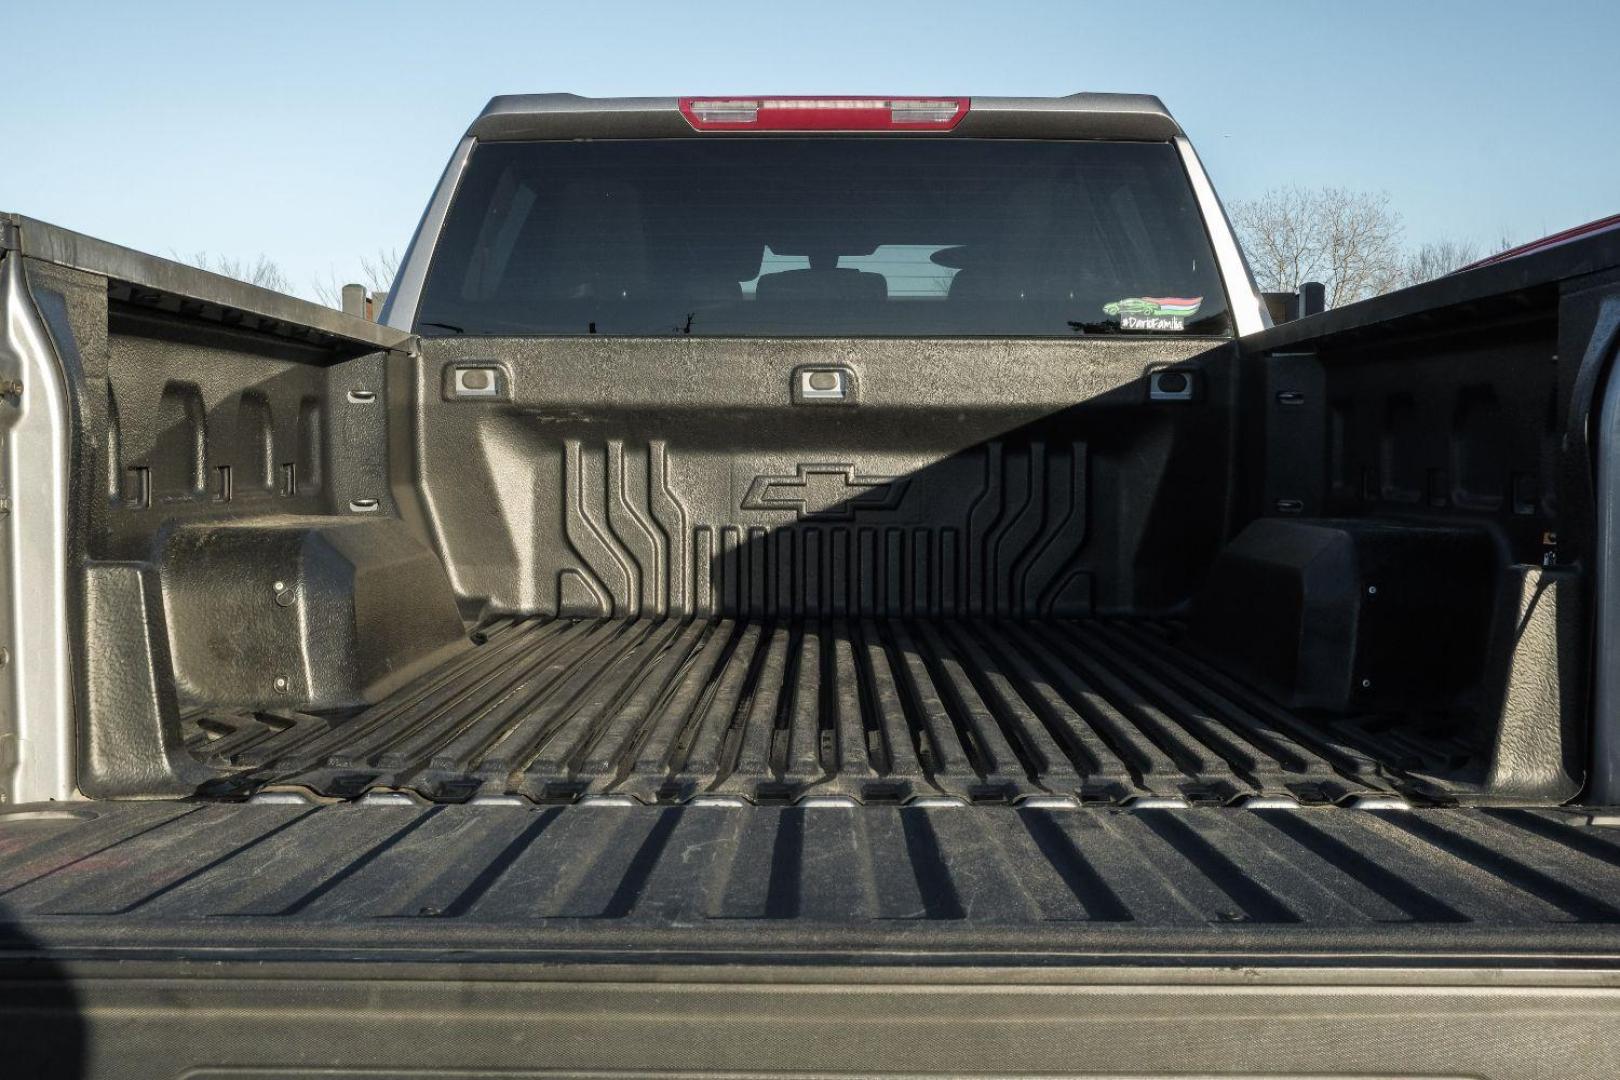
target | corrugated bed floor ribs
[
  {"x": 878, "y": 710},
  {"x": 513, "y": 876}
]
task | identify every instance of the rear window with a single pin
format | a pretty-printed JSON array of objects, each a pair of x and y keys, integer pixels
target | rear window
[{"x": 824, "y": 237}]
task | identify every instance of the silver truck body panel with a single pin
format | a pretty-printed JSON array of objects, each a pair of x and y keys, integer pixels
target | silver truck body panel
[
  {"x": 36, "y": 732},
  {"x": 399, "y": 311}
]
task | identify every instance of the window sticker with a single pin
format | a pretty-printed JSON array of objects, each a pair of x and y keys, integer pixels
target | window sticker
[{"x": 1161, "y": 313}]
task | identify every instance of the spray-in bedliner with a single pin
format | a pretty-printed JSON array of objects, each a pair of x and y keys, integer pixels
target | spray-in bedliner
[{"x": 878, "y": 710}]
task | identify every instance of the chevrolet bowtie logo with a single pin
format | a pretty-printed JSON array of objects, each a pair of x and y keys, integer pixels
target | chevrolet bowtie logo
[{"x": 825, "y": 492}]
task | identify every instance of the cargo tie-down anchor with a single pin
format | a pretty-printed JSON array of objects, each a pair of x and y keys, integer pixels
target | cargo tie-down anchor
[{"x": 830, "y": 385}]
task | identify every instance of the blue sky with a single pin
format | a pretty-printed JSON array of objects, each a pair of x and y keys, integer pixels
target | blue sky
[{"x": 312, "y": 132}]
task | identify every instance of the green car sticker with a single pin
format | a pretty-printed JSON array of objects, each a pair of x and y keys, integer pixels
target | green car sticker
[{"x": 1148, "y": 306}]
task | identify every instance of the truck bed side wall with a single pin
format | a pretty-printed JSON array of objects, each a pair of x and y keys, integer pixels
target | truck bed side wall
[{"x": 236, "y": 538}]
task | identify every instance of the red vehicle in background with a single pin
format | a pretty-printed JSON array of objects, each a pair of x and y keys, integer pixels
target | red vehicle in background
[{"x": 1557, "y": 239}]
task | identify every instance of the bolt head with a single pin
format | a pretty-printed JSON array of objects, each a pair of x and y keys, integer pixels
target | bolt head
[
  {"x": 1372, "y": 590},
  {"x": 281, "y": 684}
]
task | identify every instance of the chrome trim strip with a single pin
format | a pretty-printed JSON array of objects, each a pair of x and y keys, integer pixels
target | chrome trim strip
[
  {"x": 1248, "y": 309},
  {"x": 36, "y": 690},
  {"x": 399, "y": 311}
]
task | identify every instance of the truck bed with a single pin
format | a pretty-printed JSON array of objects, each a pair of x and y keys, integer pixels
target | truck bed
[
  {"x": 875, "y": 710},
  {"x": 646, "y": 659},
  {"x": 388, "y": 876}
]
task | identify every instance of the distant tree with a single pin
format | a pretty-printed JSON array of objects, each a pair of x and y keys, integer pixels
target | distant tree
[
  {"x": 1505, "y": 241},
  {"x": 377, "y": 274},
  {"x": 329, "y": 290},
  {"x": 1438, "y": 258},
  {"x": 1348, "y": 240},
  {"x": 1364, "y": 253},
  {"x": 262, "y": 271},
  {"x": 1280, "y": 237}
]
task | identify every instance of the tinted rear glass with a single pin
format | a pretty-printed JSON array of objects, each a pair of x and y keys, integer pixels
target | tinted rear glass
[{"x": 824, "y": 237}]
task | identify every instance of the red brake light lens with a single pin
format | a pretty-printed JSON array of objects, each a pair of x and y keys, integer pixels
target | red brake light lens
[{"x": 824, "y": 114}]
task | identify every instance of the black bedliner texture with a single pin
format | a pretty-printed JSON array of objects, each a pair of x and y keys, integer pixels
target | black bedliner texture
[
  {"x": 389, "y": 874},
  {"x": 875, "y": 710}
]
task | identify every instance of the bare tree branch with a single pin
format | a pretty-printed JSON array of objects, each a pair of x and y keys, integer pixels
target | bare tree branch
[
  {"x": 1438, "y": 258},
  {"x": 1281, "y": 238},
  {"x": 377, "y": 274},
  {"x": 328, "y": 290},
  {"x": 262, "y": 271},
  {"x": 1363, "y": 245},
  {"x": 1350, "y": 241}
]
